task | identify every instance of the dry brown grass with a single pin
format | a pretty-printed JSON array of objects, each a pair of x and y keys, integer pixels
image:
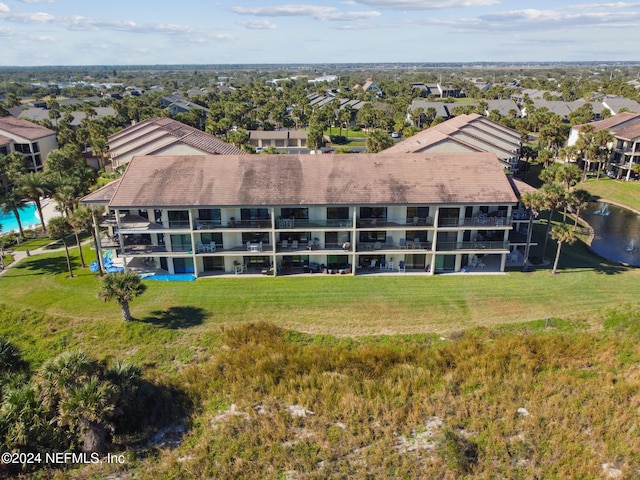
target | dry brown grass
[{"x": 413, "y": 408}]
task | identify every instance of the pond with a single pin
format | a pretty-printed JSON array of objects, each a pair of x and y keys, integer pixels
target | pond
[{"x": 616, "y": 232}]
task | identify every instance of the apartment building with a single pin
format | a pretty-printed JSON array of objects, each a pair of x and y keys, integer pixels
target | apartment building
[{"x": 422, "y": 213}]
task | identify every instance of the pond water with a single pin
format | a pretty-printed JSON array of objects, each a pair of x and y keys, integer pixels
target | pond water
[{"x": 617, "y": 232}]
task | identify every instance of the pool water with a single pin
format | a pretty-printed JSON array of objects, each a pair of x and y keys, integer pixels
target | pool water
[
  {"x": 168, "y": 277},
  {"x": 28, "y": 218}
]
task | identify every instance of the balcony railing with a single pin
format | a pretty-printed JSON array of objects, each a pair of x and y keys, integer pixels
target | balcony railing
[
  {"x": 143, "y": 250},
  {"x": 411, "y": 245},
  {"x": 298, "y": 224},
  {"x": 447, "y": 246},
  {"x": 482, "y": 222}
]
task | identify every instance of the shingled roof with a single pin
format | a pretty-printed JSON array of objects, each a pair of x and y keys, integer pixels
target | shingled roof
[
  {"x": 24, "y": 129},
  {"x": 472, "y": 132},
  {"x": 156, "y": 134},
  {"x": 350, "y": 179}
]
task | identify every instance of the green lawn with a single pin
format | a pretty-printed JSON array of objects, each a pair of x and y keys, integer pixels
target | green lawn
[
  {"x": 618, "y": 191},
  {"x": 176, "y": 319}
]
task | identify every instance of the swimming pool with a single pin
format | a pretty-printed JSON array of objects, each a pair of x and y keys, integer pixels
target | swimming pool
[
  {"x": 168, "y": 277},
  {"x": 28, "y": 218}
]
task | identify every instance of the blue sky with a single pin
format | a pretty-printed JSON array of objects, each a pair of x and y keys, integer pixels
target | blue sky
[{"x": 94, "y": 32}]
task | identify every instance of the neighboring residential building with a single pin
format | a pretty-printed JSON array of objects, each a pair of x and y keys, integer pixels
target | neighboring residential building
[
  {"x": 370, "y": 87},
  {"x": 278, "y": 138},
  {"x": 35, "y": 114},
  {"x": 282, "y": 214},
  {"x": 177, "y": 104},
  {"x": 29, "y": 138},
  {"x": 625, "y": 150},
  {"x": 615, "y": 104},
  {"x": 164, "y": 136},
  {"x": 466, "y": 133},
  {"x": 442, "y": 109}
]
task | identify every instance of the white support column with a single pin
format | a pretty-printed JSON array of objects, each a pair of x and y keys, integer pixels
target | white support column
[{"x": 436, "y": 219}]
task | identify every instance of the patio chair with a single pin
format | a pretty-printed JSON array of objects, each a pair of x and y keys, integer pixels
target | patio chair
[
  {"x": 416, "y": 220},
  {"x": 212, "y": 246},
  {"x": 373, "y": 263},
  {"x": 284, "y": 244},
  {"x": 377, "y": 246},
  {"x": 200, "y": 246},
  {"x": 294, "y": 244},
  {"x": 416, "y": 243},
  {"x": 383, "y": 264},
  {"x": 403, "y": 243},
  {"x": 401, "y": 267}
]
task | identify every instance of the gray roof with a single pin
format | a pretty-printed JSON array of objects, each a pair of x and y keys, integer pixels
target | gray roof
[
  {"x": 442, "y": 109},
  {"x": 615, "y": 104},
  {"x": 350, "y": 179}
]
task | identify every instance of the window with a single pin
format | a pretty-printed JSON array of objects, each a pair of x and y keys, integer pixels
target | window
[
  {"x": 420, "y": 212},
  {"x": 22, "y": 147},
  {"x": 210, "y": 215},
  {"x": 373, "y": 212},
  {"x": 178, "y": 218},
  {"x": 297, "y": 213},
  {"x": 35, "y": 148},
  {"x": 337, "y": 213}
]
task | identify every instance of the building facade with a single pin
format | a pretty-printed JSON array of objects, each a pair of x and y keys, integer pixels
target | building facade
[
  {"x": 30, "y": 139},
  {"x": 287, "y": 214}
]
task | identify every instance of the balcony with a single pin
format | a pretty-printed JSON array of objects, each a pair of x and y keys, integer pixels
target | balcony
[
  {"x": 253, "y": 224},
  {"x": 301, "y": 224},
  {"x": 480, "y": 222},
  {"x": 147, "y": 250},
  {"x": 454, "y": 246},
  {"x": 379, "y": 246}
]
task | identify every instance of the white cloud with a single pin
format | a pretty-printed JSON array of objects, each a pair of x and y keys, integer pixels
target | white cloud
[
  {"x": 585, "y": 6},
  {"x": 258, "y": 25},
  {"x": 425, "y": 4},
  {"x": 312, "y": 11},
  {"x": 80, "y": 23}
]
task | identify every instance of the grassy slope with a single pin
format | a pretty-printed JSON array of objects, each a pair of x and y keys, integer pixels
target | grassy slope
[
  {"x": 176, "y": 319},
  {"x": 411, "y": 407},
  {"x": 618, "y": 191}
]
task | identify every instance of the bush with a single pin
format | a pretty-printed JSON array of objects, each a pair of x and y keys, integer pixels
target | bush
[{"x": 338, "y": 139}]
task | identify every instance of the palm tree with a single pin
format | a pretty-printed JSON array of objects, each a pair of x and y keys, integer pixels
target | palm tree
[
  {"x": 122, "y": 287},
  {"x": 11, "y": 203},
  {"x": 562, "y": 234},
  {"x": 35, "y": 185},
  {"x": 86, "y": 407},
  {"x": 10, "y": 357},
  {"x": 84, "y": 219},
  {"x": 577, "y": 201},
  {"x": 535, "y": 202},
  {"x": 59, "y": 228},
  {"x": 603, "y": 138},
  {"x": 378, "y": 140},
  {"x": 80, "y": 222},
  {"x": 555, "y": 195}
]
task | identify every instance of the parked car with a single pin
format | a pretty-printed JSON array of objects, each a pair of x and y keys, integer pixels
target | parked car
[{"x": 395, "y": 135}]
